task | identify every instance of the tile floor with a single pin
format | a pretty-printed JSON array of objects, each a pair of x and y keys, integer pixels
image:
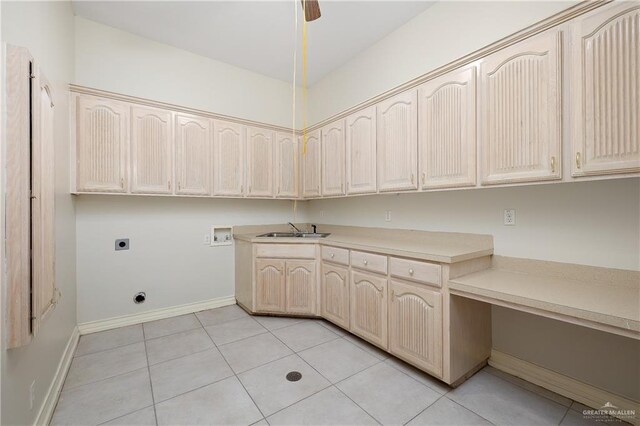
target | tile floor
[{"x": 224, "y": 367}]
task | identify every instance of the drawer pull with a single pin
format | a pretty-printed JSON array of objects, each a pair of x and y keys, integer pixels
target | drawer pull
[
  {"x": 332, "y": 255},
  {"x": 410, "y": 271},
  {"x": 365, "y": 261}
]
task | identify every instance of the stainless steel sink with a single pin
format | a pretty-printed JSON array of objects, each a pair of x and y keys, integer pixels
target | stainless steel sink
[{"x": 294, "y": 235}]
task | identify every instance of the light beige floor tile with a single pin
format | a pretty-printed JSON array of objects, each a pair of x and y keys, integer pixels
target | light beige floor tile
[
  {"x": 262, "y": 422},
  {"x": 102, "y": 365},
  {"x": 253, "y": 352},
  {"x": 368, "y": 347},
  {"x": 190, "y": 372},
  {"x": 419, "y": 375},
  {"x": 339, "y": 331},
  {"x": 221, "y": 403},
  {"x": 274, "y": 323},
  {"x": 529, "y": 386},
  {"x": 235, "y": 330},
  {"x": 220, "y": 315},
  {"x": 270, "y": 389},
  {"x": 167, "y": 326},
  {"x": 105, "y": 400},
  {"x": 103, "y": 340},
  {"x": 177, "y": 345},
  {"x": 144, "y": 417},
  {"x": 387, "y": 394},
  {"x": 304, "y": 335},
  {"x": 338, "y": 359},
  {"x": 446, "y": 412}
]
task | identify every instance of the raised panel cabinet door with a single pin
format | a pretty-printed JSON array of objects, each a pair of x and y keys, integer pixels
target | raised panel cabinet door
[
  {"x": 229, "y": 158},
  {"x": 361, "y": 151},
  {"x": 310, "y": 154},
  {"x": 287, "y": 156},
  {"x": 259, "y": 162},
  {"x": 151, "y": 150},
  {"x": 368, "y": 313},
  {"x": 605, "y": 90},
  {"x": 333, "y": 159},
  {"x": 102, "y": 142},
  {"x": 415, "y": 325},
  {"x": 397, "y": 134},
  {"x": 447, "y": 130},
  {"x": 301, "y": 286},
  {"x": 520, "y": 111},
  {"x": 270, "y": 285},
  {"x": 335, "y": 294},
  {"x": 193, "y": 155}
]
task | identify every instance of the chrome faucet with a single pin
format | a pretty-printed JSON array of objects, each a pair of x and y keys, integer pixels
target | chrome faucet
[
  {"x": 314, "y": 228},
  {"x": 295, "y": 227}
]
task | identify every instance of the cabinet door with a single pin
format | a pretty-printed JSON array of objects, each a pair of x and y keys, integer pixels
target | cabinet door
[
  {"x": 301, "y": 287},
  {"x": 228, "y": 157},
  {"x": 151, "y": 150},
  {"x": 447, "y": 130},
  {"x": 270, "y": 285},
  {"x": 520, "y": 111},
  {"x": 311, "y": 165},
  {"x": 287, "y": 155},
  {"x": 397, "y": 135},
  {"x": 193, "y": 155},
  {"x": 361, "y": 151},
  {"x": 335, "y": 294},
  {"x": 333, "y": 159},
  {"x": 605, "y": 90},
  {"x": 102, "y": 138},
  {"x": 259, "y": 162},
  {"x": 369, "y": 307},
  {"x": 415, "y": 325}
]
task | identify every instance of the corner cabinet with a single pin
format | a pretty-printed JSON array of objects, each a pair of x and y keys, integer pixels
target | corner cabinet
[
  {"x": 193, "y": 155},
  {"x": 287, "y": 160},
  {"x": 228, "y": 156},
  {"x": 361, "y": 152},
  {"x": 333, "y": 159},
  {"x": 310, "y": 154},
  {"x": 259, "y": 162},
  {"x": 369, "y": 307}
]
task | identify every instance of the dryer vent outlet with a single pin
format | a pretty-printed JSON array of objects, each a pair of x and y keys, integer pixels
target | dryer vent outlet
[{"x": 139, "y": 298}]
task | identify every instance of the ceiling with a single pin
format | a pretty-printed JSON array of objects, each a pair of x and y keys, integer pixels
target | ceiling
[{"x": 258, "y": 35}]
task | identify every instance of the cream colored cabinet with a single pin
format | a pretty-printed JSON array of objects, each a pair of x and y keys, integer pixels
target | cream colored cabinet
[
  {"x": 333, "y": 159},
  {"x": 605, "y": 90},
  {"x": 335, "y": 294},
  {"x": 301, "y": 284},
  {"x": 361, "y": 151},
  {"x": 102, "y": 143},
  {"x": 415, "y": 325},
  {"x": 368, "y": 313},
  {"x": 151, "y": 150},
  {"x": 447, "y": 130},
  {"x": 520, "y": 111},
  {"x": 270, "y": 285},
  {"x": 287, "y": 155},
  {"x": 397, "y": 135},
  {"x": 228, "y": 157},
  {"x": 259, "y": 162},
  {"x": 193, "y": 155},
  {"x": 310, "y": 153}
]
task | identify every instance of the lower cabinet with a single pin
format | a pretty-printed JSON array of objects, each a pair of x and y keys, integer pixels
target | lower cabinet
[
  {"x": 270, "y": 285},
  {"x": 335, "y": 294},
  {"x": 286, "y": 286},
  {"x": 301, "y": 286},
  {"x": 369, "y": 307}
]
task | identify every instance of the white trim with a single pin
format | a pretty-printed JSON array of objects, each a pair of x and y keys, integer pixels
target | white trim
[
  {"x": 564, "y": 385},
  {"x": 156, "y": 314},
  {"x": 51, "y": 398}
]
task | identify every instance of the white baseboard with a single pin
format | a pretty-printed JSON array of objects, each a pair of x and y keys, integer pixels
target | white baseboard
[
  {"x": 564, "y": 385},
  {"x": 156, "y": 314},
  {"x": 51, "y": 398}
]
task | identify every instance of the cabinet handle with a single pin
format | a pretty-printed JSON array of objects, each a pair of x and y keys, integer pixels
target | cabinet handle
[
  {"x": 332, "y": 255},
  {"x": 578, "y": 162},
  {"x": 410, "y": 271},
  {"x": 553, "y": 164},
  {"x": 365, "y": 261}
]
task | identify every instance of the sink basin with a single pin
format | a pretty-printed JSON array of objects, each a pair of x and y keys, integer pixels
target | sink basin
[
  {"x": 278, "y": 235},
  {"x": 294, "y": 235},
  {"x": 313, "y": 235}
]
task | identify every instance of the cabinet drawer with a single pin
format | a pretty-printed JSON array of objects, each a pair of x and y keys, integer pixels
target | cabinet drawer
[
  {"x": 289, "y": 251},
  {"x": 335, "y": 255},
  {"x": 424, "y": 272},
  {"x": 369, "y": 261}
]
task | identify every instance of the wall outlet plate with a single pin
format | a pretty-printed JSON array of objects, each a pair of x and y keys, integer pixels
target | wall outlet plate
[
  {"x": 387, "y": 216},
  {"x": 510, "y": 217}
]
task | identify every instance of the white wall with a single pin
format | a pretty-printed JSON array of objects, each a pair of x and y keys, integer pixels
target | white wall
[{"x": 46, "y": 29}]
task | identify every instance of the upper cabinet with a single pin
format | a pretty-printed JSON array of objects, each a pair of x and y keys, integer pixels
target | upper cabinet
[
  {"x": 259, "y": 162},
  {"x": 447, "y": 130},
  {"x": 310, "y": 153},
  {"x": 193, "y": 155},
  {"x": 102, "y": 142},
  {"x": 605, "y": 91},
  {"x": 228, "y": 158},
  {"x": 287, "y": 155},
  {"x": 520, "y": 111},
  {"x": 333, "y": 158},
  {"x": 397, "y": 134},
  {"x": 361, "y": 151},
  {"x": 151, "y": 150}
]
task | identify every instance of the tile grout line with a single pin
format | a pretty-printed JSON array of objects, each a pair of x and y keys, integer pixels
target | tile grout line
[
  {"x": 423, "y": 410},
  {"x": 468, "y": 409},
  {"x": 565, "y": 415},
  {"x": 124, "y": 415},
  {"x": 153, "y": 398},
  {"x": 410, "y": 376}
]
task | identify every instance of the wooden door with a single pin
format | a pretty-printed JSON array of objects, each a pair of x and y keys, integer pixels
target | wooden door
[
  {"x": 259, "y": 162},
  {"x": 287, "y": 156},
  {"x": 151, "y": 150},
  {"x": 335, "y": 294},
  {"x": 310, "y": 153},
  {"x": 397, "y": 134},
  {"x": 447, "y": 130},
  {"x": 333, "y": 159},
  {"x": 369, "y": 307},
  {"x": 270, "y": 285},
  {"x": 605, "y": 90},
  {"x": 102, "y": 143},
  {"x": 361, "y": 151},
  {"x": 229, "y": 158},
  {"x": 193, "y": 155},
  {"x": 415, "y": 325},
  {"x": 301, "y": 287},
  {"x": 520, "y": 111}
]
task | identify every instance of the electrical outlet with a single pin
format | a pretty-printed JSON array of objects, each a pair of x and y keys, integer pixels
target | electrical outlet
[
  {"x": 510, "y": 217},
  {"x": 32, "y": 394},
  {"x": 387, "y": 216},
  {"x": 207, "y": 239}
]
